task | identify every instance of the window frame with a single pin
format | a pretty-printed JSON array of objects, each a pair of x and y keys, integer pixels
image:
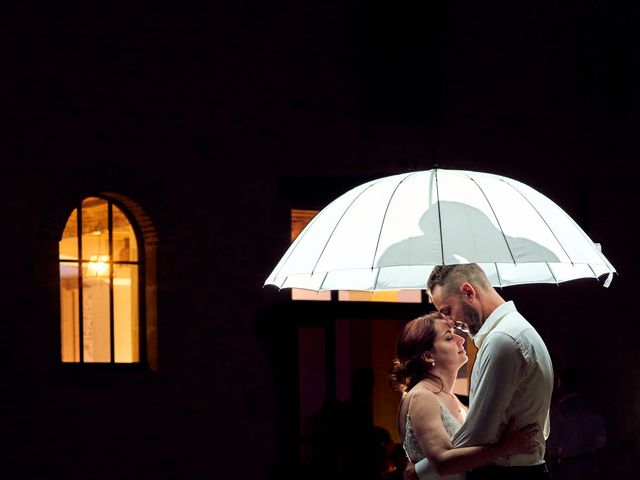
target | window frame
[{"x": 142, "y": 283}]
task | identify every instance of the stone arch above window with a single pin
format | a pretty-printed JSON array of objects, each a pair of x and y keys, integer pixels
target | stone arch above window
[{"x": 142, "y": 197}]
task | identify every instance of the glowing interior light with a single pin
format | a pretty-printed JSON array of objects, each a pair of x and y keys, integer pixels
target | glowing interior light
[{"x": 98, "y": 265}]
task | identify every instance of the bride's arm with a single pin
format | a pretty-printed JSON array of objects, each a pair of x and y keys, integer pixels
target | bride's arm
[{"x": 436, "y": 443}]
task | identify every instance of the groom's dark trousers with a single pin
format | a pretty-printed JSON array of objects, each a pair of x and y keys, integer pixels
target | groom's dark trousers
[{"x": 494, "y": 472}]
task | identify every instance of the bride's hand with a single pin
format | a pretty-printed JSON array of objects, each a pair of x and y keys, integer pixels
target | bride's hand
[
  {"x": 519, "y": 440},
  {"x": 410, "y": 472}
]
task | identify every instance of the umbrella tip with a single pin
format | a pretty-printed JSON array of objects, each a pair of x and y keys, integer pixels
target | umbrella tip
[
  {"x": 608, "y": 280},
  {"x": 434, "y": 155}
]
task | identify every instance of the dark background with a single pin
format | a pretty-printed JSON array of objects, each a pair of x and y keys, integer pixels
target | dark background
[{"x": 218, "y": 118}]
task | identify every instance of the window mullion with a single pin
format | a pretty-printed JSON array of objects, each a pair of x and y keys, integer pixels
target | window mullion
[
  {"x": 80, "y": 282},
  {"x": 111, "y": 322}
]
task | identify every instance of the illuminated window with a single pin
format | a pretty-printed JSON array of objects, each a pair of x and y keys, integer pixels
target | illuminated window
[
  {"x": 100, "y": 270},
  {"x": 299, "y": 219}
]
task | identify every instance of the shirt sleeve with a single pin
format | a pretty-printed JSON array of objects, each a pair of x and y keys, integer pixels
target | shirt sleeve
[
  {"x": 426, "y": 471},
  {"x": 499, "y": 371}
]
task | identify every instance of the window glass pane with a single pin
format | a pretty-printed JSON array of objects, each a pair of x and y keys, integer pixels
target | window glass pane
[
  {"x": 95, "y": 230},
  {"x": 301, "y": 294},
  {"x": 69, "y": 312},
  {"x": 125, "y": 247},
  {"x": 69, "y": 242},
  {"x": 299, "y": 220},
  {"x": 95, "y": 313},
  {"x": 409, "y": 296},
  {"x": 125, "y": 313},
  {"x": 396, "y": 296}
]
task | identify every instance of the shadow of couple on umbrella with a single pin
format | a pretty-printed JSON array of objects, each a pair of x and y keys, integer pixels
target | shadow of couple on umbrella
[{"x": 455, "y": 232}]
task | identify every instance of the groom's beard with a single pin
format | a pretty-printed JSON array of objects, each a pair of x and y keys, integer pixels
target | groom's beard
[{"x": 472, "y": 319}]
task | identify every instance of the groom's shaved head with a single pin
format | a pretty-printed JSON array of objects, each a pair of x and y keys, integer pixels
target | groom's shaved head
[{"x": 450, "y": 277}]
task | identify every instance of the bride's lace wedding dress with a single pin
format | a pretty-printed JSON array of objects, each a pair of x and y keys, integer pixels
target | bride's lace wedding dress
[{"x": 412, "y": 447}]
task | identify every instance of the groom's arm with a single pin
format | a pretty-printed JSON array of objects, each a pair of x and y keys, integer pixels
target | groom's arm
[{"x": 499, "y": 372}]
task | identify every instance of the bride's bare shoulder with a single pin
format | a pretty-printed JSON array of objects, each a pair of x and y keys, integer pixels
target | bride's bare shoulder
[{"x": 421, "y": 398}]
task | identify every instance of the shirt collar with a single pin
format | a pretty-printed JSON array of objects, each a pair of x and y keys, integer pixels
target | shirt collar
[{"x": 493, "y": 320}]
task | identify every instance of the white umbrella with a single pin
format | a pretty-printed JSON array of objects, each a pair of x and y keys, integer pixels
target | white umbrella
[{"x": 388, "y": 234}]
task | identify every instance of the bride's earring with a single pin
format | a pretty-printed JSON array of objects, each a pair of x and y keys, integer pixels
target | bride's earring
[{"x": 425, "y": 357}]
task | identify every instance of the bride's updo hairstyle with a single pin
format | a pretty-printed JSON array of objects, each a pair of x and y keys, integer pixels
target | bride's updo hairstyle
[{"x": 415, "y": 338}]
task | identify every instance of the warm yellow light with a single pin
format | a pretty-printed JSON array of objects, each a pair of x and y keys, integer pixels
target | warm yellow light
[{"x": 98, "y": 265}]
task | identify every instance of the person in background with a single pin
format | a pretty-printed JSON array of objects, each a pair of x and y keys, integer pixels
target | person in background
[
  {"x": 356, "y": 441},
  {"x": 577, "y": 431}
]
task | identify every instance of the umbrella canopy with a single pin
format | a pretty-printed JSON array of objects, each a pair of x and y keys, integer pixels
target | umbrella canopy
[{"x": 389, "y": 233}]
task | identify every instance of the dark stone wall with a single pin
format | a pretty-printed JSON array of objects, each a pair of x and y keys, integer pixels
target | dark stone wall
[{"x": 204, "y": 112}]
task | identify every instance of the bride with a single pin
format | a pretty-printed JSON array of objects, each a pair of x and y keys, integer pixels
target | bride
[{"x": 428, "y": 356}]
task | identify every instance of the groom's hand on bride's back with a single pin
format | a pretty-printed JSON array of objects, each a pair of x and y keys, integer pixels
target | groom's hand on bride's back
[{"x": 410, "y": 472}]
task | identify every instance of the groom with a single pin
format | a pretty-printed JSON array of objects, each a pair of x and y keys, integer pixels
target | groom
[{"x": 512, "y": 375}]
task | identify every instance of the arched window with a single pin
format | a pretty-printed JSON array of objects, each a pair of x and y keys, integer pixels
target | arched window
[{"x": 101, "y": 268}]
